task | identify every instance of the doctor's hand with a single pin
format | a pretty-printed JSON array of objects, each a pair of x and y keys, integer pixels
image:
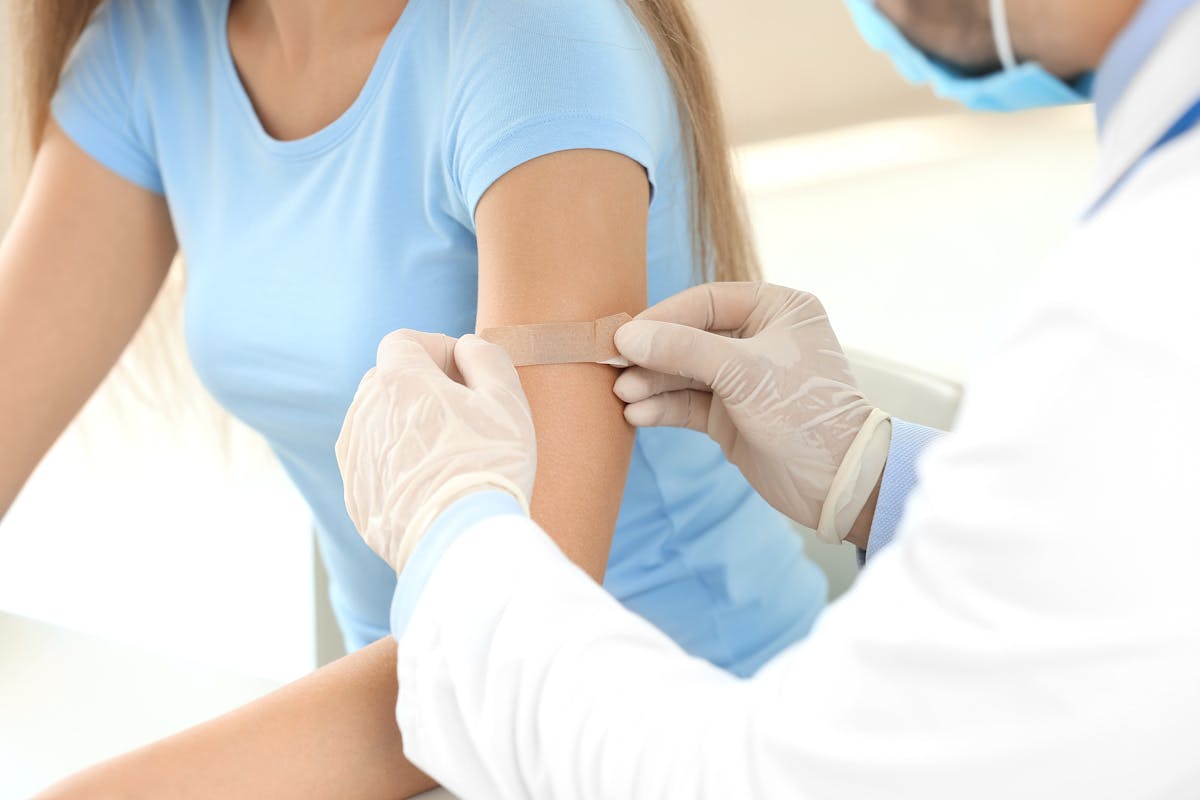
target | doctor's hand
[
  {"x": 758, "y": 368},
  {"x": 434, "y": 420}
]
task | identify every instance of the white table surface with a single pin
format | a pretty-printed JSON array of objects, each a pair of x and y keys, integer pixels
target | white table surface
[{"x": 68, "y": 700}]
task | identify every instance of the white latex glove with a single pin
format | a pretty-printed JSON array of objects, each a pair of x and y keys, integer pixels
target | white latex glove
[
  {"x": 758, "y": 368},
  {"x": 433, "y": 421}
]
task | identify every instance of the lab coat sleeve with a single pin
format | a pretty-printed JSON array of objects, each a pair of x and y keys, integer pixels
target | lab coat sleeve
[
  {"x": 520, "y": 677},
  {"x": 456, "y": 520},
  {"x": 909, "y": 441}
]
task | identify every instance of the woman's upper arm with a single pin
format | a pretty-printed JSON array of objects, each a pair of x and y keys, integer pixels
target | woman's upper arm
[
  {"x": 79, "y": 267},
  {"x": 562, "y": 238}
]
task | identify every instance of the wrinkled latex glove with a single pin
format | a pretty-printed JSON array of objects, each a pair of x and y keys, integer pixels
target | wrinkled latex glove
[
  {"x": 758, "y": 368},
  {"x": 434, "y": 420}
]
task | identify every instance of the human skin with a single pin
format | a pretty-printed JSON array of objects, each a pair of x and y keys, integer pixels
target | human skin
[
  {"x": 86, "y": 255},
  {"x": 1067, "y": 37}
]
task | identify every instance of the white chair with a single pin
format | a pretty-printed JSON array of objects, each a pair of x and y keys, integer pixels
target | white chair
[{"x": 907, "y": 393}]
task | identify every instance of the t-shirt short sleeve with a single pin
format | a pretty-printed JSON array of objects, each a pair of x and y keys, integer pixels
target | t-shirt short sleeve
[
  {"x": 534, "y": 77},
  {"x": 97, "y": 102}
]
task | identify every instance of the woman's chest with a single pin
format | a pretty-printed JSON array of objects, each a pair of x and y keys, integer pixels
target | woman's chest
[{"x": 295, "y": 276}]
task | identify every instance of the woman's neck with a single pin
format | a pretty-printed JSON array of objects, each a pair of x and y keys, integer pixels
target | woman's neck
[
  {"x": 303, "y": 62},
  {"x": 306, "y": 29}
]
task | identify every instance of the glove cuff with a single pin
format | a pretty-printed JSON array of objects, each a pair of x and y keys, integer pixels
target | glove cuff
[
  {"x": 452, "y": 490},
  {"x": 856, "y": 478}
]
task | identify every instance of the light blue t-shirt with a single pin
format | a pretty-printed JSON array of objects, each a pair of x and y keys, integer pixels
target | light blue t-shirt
[{"x": 302, "y": 255}]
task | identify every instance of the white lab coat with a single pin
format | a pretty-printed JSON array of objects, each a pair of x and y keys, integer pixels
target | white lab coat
[{"x": 1034, "y": 631}]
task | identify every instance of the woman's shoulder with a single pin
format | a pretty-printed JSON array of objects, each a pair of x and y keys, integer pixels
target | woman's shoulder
[
  {"x": 138, "y": 28},
  {"x": 133, "y": 47},
  {"x": 132, "y": 56},
  {"x": 575, "y": 55},
  {"x": 582, "y": 22},
  {"x": 159, "y": 16},
  {"x": 530, "y": 77}
]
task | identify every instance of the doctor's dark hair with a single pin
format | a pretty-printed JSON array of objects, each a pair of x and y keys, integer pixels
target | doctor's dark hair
[{"x": 723, "y": 248}]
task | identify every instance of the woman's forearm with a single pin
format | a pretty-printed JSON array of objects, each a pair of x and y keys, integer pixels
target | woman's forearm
[
  {"x": 584, "y": 447},
  {"x": 331, "y": 734}
]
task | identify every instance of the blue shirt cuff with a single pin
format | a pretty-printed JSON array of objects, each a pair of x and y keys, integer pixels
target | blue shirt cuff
[
  {"x": 909, "y": 441},
  {"x": 452, "y": 523}
]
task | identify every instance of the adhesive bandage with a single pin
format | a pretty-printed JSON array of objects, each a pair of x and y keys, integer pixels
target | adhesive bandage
[{"x": 561, "y": 342}]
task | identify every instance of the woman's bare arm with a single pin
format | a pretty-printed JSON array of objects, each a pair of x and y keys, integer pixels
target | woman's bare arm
[
  {"x": 331, "y": 735},
  {"x": 79, "y": 267},
  {"x": 563, "y": 239}
]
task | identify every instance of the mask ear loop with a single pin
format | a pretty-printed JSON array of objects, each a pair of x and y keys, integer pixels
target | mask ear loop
[{"x": 1001, "y": 34}]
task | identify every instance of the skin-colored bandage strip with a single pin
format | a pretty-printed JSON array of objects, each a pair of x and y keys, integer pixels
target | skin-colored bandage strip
[{"x": 561, "y": 342}]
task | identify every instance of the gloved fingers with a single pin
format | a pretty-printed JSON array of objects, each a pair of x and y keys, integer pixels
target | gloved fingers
[
  {"x": 396, "y": 351},
  {"x": 686, "y": 408},
  {"x": 709, "y": 307},
  {"x": 341, "y": 448},
  {"x": 346, "y": 436},
  {"x": 487, "y": 368},
  {"x": 638, "y": 383},
  {"x": 676, "y": 349}
]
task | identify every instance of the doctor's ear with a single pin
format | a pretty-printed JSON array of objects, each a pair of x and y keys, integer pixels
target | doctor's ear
[{"x": 956, "y": 31}]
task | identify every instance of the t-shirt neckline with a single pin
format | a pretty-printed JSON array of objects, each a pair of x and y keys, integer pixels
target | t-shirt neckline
[{"x": 337, "y": 130}]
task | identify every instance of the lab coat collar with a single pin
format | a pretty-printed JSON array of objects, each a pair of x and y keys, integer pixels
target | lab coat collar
[
  {"x": 1136, "y": 43},
  {"x": 1165, "y": 87}
]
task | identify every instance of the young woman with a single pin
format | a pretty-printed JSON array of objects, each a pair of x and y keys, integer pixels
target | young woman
[{"x": 334, "y": 170}]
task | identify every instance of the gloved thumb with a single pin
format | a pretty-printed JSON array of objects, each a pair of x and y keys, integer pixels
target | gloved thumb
[
  {"x": 487, "y": 368},
  {"x": 404, "y": 349},
  {"x": 675, "y": 349}
]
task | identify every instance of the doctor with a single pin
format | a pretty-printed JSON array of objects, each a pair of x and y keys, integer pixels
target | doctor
[{"x": 1034, "y": 629}]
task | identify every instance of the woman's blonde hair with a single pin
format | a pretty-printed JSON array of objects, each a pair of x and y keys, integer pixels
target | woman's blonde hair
[
  {"x": 724, "y": 246},
  {"x": 44, "y": 33},
  {"x": 48, "y": 29}
]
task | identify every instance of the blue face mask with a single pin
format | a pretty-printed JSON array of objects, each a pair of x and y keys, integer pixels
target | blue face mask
[{"x": 1022, "y": 86}]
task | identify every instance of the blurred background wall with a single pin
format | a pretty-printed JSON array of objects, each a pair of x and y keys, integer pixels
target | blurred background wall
[
  {"x": 915, "y": 222},
  {"x": 796, "y": 66}
]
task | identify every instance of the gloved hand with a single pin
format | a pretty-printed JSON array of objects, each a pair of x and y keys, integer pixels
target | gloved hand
[
  {"x": 758, "y": 368},
  {"x": 433, "y": 421}
]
